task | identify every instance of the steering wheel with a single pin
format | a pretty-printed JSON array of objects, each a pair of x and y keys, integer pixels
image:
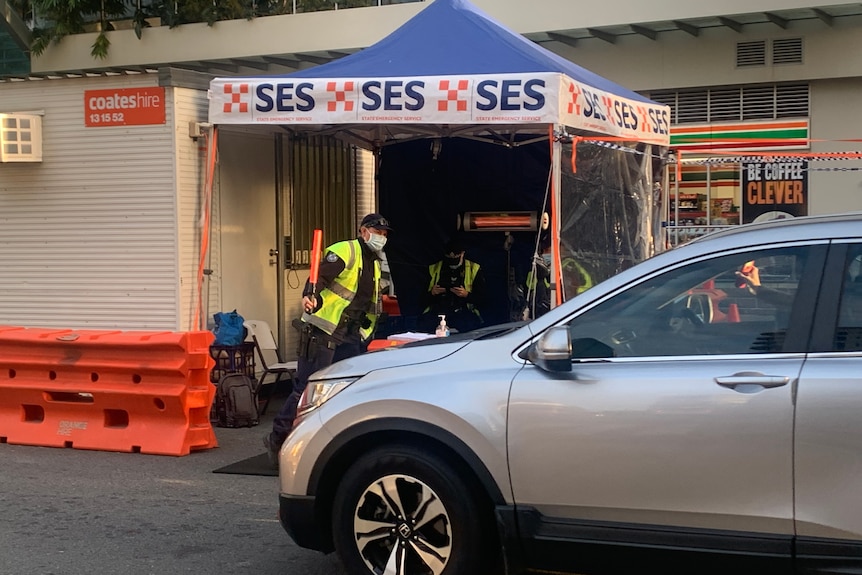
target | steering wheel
[
  {"x": 696, "y": 319},
  {"x": 623, "y": 339},
  {"x": 685, "y": 317}
]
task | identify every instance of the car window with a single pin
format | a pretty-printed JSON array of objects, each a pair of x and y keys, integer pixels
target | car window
[
  {"x": 848, "y": 332},
  {"x": 700, "y": 309}
]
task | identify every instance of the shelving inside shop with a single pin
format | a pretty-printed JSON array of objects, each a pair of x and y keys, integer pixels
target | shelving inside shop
[{"x": 693, "y": 210}]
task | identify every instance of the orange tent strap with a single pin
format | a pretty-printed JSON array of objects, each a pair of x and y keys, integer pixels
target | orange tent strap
[{"x": 575, "y": 143}]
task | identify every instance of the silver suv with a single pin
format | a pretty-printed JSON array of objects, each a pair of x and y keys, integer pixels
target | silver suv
[{"x": 666, "y": 420}]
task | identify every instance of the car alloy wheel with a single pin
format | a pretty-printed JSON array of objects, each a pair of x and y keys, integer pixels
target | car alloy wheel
[
  {"x": 400, "y": 510},
  {"x": 401, "y": 526}
]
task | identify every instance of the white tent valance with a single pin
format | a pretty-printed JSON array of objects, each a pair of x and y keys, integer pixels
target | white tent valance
[{"x": 523, "y": 99}]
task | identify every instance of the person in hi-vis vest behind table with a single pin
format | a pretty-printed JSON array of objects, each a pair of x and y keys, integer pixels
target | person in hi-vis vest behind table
[
  {"x": 339, "y": 313},
  {"x": 456, "y": 289}
]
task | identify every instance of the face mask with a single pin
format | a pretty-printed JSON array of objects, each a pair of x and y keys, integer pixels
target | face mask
[
  {"x": 452, "y": 263},
  {"x": 375, "y": 241},
  {"x": 547, "y": 259}
]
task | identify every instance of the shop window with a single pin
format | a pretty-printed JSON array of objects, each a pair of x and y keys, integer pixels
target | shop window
[
  {"x": 707, "y": 197},
  {"x": 20, "y": 138}
]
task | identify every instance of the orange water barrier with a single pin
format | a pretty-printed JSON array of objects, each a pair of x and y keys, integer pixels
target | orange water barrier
[{"x": 138, "y": 392}]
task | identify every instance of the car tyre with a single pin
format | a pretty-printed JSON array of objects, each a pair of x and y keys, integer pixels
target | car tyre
[{"x": 405, "y": 511}]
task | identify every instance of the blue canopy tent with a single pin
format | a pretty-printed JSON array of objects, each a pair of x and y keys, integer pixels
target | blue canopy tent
[{"x": 454, "y": 75}]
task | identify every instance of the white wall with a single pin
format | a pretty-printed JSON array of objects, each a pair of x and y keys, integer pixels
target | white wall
[
  {"x": 246, "y": 226},
  {"x": 190, "y": 105},
  {"x": 679, "y": 60},
  {"x": 836, "y": 104}
]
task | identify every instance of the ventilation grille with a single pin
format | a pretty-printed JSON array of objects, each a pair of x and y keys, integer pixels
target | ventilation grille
[
  {"x": 758, "y": 102},
  {"x": 751, "y": 54},
  {"x": 724, "y": 104},
  {"x": 787, "y": 51},
  {"x": 791, "y": 100},
  {"x": 734, "y": 104},
  {"x": 20, "y": 138},
  {"x": 693, "y": 106}
]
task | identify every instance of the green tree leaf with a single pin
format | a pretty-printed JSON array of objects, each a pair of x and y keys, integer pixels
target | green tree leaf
[{"x": 100, "y": 46}]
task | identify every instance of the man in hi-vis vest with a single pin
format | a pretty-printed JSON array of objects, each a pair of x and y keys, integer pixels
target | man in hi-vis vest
[
  {"x": 339, "y": 313},
  {"x": 456, "y": 289}
]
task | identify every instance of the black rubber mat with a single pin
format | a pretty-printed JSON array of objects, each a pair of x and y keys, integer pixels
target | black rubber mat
[{"x": 257, "y": 465}]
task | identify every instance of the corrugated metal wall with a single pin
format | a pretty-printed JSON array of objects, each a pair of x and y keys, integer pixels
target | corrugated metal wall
[
  {"x": 361, "y": 201},
  {"x": 88, "y": 237},
  {"x": 321, "y": 175},
  {"x": 191, "y": 106}
]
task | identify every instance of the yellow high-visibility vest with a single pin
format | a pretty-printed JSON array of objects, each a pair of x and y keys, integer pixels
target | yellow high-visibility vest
[{"x": 342, "y": 290}]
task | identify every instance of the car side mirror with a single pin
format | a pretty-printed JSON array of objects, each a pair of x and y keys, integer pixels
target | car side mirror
[{"x": 553, "y": 350}]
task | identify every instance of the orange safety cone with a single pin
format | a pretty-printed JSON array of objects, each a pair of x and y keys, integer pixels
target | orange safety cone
[{"x": 733, "y": 313}]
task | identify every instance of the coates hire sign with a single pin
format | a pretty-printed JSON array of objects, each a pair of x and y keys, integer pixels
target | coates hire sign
[
  {"x": 124, "y": 107},
  {"x": 540, "y": 98}
]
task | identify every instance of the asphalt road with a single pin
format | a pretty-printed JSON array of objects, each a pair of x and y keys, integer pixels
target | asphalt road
[{"x": 76, "y": 512}]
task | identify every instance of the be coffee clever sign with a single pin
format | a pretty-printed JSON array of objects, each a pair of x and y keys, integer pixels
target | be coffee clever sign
[{"x": 774, "y": 190}]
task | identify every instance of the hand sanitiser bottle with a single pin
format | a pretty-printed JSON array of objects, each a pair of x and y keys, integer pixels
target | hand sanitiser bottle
[{"x": 442, "y": 328}]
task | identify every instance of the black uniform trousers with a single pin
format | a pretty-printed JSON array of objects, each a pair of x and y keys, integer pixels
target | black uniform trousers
[{"x": 322, "y": 351}]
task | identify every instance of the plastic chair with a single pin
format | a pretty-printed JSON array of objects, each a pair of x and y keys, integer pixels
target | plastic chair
[{"x": 270, "y": 358}]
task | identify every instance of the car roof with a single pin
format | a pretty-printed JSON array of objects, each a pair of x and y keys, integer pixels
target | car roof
[
  {"x": 830, "y": 226},
  {"x": 773, "y": 232}
]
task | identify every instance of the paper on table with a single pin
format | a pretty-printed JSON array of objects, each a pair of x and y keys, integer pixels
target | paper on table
[{"x": 411, "y": 336}]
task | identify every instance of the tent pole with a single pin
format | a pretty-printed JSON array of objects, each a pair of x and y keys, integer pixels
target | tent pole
[
  {"x": 280, "y": 245},
  {"x": 557, "y": 291}
]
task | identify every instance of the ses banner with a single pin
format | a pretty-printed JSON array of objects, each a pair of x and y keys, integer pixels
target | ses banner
[
  {"x": 124, "y": 107},
  {"x": 540, "y": 98},
  {"x": 774, "y": 190}
]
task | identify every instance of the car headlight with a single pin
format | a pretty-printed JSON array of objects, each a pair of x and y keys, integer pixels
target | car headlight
[{"x": 319, "y": 392}]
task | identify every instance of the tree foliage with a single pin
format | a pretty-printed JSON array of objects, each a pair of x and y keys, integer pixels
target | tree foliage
[
  {"x": 59, "y": 18},
  {"x": 64, "y": 17}
]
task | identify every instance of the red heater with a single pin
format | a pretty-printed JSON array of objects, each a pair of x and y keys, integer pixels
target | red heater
[{"x": 499, "y": 222}]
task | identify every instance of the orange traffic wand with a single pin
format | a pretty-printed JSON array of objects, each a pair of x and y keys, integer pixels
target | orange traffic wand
[
  {"x": 316, "y": 247},
  {"x": 746, "y": 268}
]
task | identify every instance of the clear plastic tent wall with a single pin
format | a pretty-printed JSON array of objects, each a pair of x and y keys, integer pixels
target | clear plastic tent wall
[{"x": 609, "y": 212}]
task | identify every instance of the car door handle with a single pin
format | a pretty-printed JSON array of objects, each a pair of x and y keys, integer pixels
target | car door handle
[{"x": 752, "y": 378}]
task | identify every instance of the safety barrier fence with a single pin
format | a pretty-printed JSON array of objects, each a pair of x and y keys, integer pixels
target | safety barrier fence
[{"x": 138, "y": 392}]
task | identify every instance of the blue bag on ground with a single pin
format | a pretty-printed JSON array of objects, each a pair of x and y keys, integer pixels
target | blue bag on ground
[{"x": 228, "y": 328}]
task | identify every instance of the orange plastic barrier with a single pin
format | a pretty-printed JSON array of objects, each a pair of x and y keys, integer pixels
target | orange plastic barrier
[{"x": 139, "y": 392}]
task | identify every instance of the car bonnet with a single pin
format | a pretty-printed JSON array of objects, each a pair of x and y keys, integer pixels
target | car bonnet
[{"x": 389, "y": 357}]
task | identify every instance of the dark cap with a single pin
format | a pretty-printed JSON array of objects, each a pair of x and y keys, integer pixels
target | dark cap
[
  {"x": 375, "y": 221},
  {"x": 453, "y": 246}
]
